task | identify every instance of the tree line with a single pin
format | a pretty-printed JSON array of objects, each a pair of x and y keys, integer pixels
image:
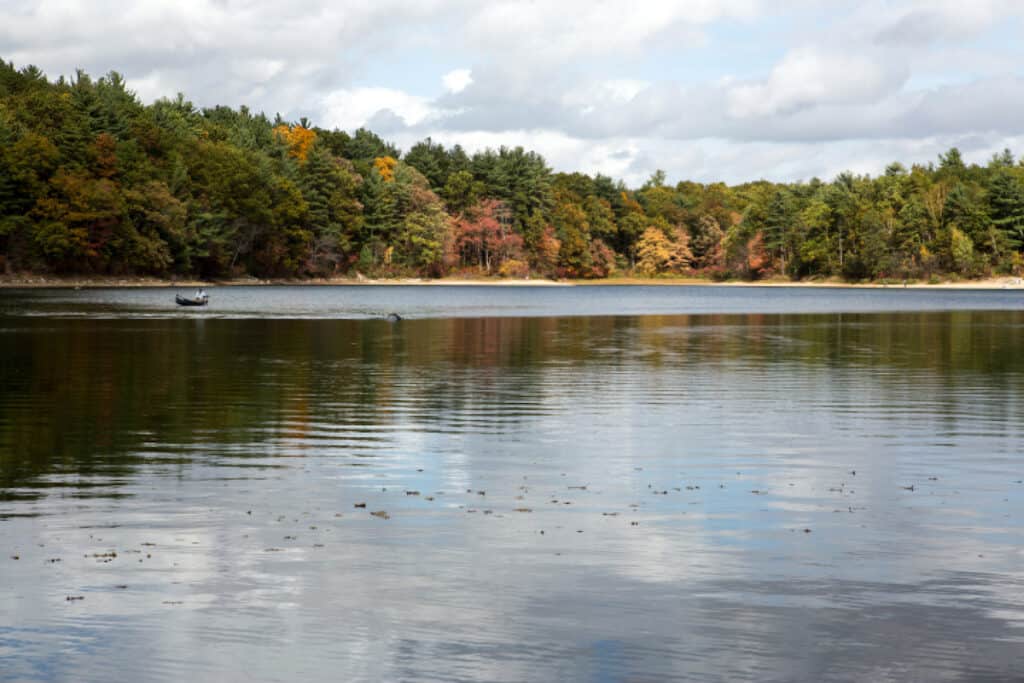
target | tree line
[{"x": 94, "y": 182}]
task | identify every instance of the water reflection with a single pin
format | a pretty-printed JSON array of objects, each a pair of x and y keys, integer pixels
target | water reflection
[
  {"x": 760, "y": 496},
  {"x": 420, "y": 301}
]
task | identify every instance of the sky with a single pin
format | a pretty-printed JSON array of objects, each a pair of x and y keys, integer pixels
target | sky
[{"x": 707, "y": 90}]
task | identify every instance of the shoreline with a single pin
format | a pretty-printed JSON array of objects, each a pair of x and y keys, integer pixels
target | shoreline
[{"x": 54, "y": 282}]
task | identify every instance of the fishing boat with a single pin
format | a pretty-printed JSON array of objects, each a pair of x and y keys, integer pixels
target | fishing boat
[{"x": 199, "y": 300}]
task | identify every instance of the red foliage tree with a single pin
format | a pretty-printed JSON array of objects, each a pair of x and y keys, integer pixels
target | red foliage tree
[
  {"x": 602, "y": 260},
  {"x": 758, "y": 261},
  {"x": 484, "y": 236}
]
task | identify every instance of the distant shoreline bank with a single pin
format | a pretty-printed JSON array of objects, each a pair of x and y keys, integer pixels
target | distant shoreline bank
[{"x": 44, "y": 281}]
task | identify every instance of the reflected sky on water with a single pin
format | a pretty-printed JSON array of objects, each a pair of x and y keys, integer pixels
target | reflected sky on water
[
  {"x": 488, "y": 301},
  {"x": 589, "y": 495}
]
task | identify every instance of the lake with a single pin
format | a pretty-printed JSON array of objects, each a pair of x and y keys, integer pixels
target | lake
[{"x": 512, "y": 484}]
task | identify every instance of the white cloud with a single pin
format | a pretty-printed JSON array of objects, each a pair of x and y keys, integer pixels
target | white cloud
[
  {"x": 807, "y": 77},
  {"x": 458, "y": 80},
  {"x": 624, "y": 89},
  {"x": 929, "y": 21},
  {"x": 352, "y": 108},
  {"x": 576, "y": 29}
]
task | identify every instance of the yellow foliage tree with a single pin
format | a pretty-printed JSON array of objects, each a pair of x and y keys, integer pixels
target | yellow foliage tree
[
  {"x": 680, "y": 257},
  {"x": 386, "y": 168},
  {"x": 656, "y": 253},
  {"x": 653, "y": 252},
  {"x": 298, "y": 139},
  {"x": 961, "y": 249}
]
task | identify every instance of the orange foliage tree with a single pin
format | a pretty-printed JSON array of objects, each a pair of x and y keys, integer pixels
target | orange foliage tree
[
  {"x": 758, "y": 263},
  {"x": 298, "y": 139}
]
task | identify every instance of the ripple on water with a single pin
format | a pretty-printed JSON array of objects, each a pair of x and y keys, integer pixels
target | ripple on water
[{"x": 720, "y": 497}]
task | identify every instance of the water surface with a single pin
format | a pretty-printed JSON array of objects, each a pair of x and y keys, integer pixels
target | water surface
[
  {"x": 575, "y": 484},
  {"x": 451, "y": 301}
]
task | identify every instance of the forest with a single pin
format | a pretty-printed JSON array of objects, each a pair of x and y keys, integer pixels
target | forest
[{"x": 94, "y": 182}]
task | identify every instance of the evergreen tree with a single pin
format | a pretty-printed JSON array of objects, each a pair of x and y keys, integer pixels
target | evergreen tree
[{"x": 1006, "y": 197}]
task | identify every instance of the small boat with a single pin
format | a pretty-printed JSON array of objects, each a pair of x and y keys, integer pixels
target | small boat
[{"x": 191, "y": 301}]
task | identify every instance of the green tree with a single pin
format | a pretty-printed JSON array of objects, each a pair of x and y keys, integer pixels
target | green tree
[
  {"x": 1006, "y": 199},
  {"x": 330, "y": 188},
  {"x": 461, "y": 191},
  {"x": 573, "y": 232},
  {"x": 431, "y": 160}
]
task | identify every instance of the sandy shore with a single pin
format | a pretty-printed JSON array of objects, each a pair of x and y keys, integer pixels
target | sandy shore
[
  {"x": 34, "y": 281},
  {"x": 1007, "y": 282}
]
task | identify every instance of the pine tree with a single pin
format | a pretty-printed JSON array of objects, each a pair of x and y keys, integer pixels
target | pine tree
[{"x": 1006, "y": 199}]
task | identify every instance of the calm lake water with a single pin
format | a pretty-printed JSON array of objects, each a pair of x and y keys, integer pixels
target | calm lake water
[{"x": 591, "y": 483}]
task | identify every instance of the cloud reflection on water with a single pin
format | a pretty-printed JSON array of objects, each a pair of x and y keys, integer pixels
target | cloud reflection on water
[{"x": 297, "y": 421}]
